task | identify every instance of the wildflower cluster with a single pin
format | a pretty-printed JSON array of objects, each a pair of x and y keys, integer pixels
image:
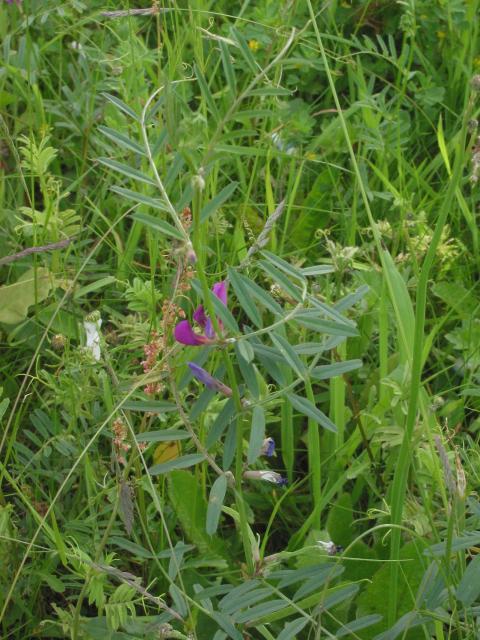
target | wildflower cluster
[
  {"x": 185, "y": 333},
  {"x": 151, "y": 351},
  {"x": 120, "y": 435}
]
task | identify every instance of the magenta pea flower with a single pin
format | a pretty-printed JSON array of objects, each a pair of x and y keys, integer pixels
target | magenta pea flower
[
  {"x": 209, "y": 381},
  {"x": 185, "y": 333}
]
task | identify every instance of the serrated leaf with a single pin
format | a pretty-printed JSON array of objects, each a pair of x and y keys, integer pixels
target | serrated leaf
[
  {"x": 157, "y": 225},
  {"x": 308, "y": 409},
  {"x": 257, "y": 434},
  {"x": 179, "y": 463},
  {"x": 215, "y": 503}
]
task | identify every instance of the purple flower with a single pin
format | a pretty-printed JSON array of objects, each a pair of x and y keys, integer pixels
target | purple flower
[
  {"x": 268, "y": 447},
  {"x": 209, "y": 381},
  {"x": 266, "y": 475},
  {"x": 184, "y": 332}
]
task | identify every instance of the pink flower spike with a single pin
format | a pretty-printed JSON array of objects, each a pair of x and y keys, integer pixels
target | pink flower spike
[{"x": 186, "y": 335}]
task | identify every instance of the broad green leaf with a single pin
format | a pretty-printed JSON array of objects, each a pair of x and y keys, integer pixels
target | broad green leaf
[
  {"x": 308, "y": 409},
  {"x": 217, "y": 201},
  {"x": 289, "y": 354},
  {"x": 245, "y": 600},
  {"x": 238, "y": 592},
  {"x": 468, "y": 590},
  {"x": 150, "y": 406},
  {"x": 247, "y": 369},
  {"x": 121, "y": 105},
  {"x": 245, "y": 349},
  {"x": 215, "y": 503},
  {"x": 315, "y": 582},
  {"x": 93, "y": 286},
  {"x": 178, "y": 463},
  {"x": 352, "y": 298},
  {"x": 31, "y": 287},
  {"x": 225, "y": 623},
  {"x": 228, "y": 67},
  {"x": 403, "y": 627},
  {"x": 402, "y": 306},
  {"x": 186, "y": 497},
  {"x": 121, "y": 139},
  {"x": 261, "y": 295},
  {"x": 139, "y": 198},
  {"x": 221, "y": 422},
  {"x": 3, "y": 406},
  {"x": 310, "y": 321},
  {"x": 460, "y": 543},
  {"x": 270, "y": 91},
  {"x": 339, "y": 595},
  {"x": 126, "y": 170},
  {"x": 244, "y": 49},
  {"x": 257, "y": 612},
  {"x": 361, "y": 623},
  {"x": 257, "y": 434},
  {"x": 158, "y": 225},
  {"x": 318, "y": 270},
  {"x": 166, "y": 435},
  {"x": 244, "y": 299},
  {"x": 372, "y": 600},
  {"x": 284, "y": 266},
  {"x": 290, "y": 630},
  {"x": 281, "y": 280},
  {"x": 326, "y": 371},
  {"x": 207, "y": 94}
]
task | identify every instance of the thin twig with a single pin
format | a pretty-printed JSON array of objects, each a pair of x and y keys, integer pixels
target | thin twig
[
  {"x": 61, "y": 244},
  {"x": 152, "y": 11}
]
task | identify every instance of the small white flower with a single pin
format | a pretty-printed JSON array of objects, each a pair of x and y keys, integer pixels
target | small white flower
[
  {"x": 330, "y": 547},
  {"x": 92, "y": 325}
]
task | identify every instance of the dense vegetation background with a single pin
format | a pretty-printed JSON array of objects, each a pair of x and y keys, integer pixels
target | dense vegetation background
[{"x": 298, "y": 458}]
